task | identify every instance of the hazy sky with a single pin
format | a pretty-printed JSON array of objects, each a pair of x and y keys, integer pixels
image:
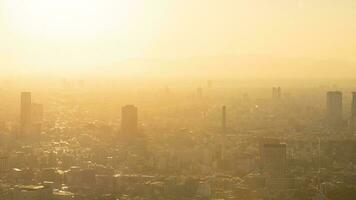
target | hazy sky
[{"x": 75, "y": 35}]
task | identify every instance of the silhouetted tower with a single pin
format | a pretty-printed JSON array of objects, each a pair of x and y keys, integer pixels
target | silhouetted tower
[
  {"x": 353, "y": 112},
  {"x": 223, "y": 119},
  {"x": 129, "y": 120},
  {"x": 276, "y": 92},
  {"x": 25, "y": 112},
  {"x": 274, "y": 157},
  {"x": 334, "y": 108}
]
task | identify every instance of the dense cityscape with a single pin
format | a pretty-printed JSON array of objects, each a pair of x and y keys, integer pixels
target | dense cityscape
[
  {"x": 214, "y": 142},
  {"x": 177, "y": 100}
]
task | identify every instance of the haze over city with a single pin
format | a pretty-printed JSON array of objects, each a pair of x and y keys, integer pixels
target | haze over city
[{"x": 177, "y": 100}]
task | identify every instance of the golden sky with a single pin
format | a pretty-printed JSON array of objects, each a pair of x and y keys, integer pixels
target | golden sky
[{"x": 75, "y": 35}]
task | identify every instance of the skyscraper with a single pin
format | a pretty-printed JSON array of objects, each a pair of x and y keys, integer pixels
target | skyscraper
[
  {"x": 274, "y": 157},
  {"x": 223, "y": 120},
  {"x": 3, "y": 164},
  {"x": 353, "y": 112},
  {"x": 334, "y": 108},
  {"x": 25, "y": 112},
  {"x": 276, "y": 92},
  {"x": 129, "y": 120}
]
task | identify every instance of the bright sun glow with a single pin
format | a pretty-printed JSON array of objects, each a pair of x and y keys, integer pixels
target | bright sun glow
[{"x": 52, "y": 18}]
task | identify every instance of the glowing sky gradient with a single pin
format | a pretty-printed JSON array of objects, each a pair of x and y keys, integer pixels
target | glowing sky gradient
[{"x": 67, "y": 35}]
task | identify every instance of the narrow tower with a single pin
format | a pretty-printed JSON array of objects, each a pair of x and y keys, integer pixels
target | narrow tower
[
  {"x": 353, "y": 112},
  {"x": 223, "y": 119},
  {"x": 129, "y": 120},
  {"x": 25, "y": 112},
  {"x": 334, "y": 109}
]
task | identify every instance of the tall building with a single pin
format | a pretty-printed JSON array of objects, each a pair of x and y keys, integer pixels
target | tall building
[
  {"x": 353, "y": 105},
  {"x": 223, "y": 119},
  {"x": 274, "y": 157},
  {"x": 3, "y": 164},
  {"x": 25, "y": 112},
  {"x": 276, "y": 92},
  {"x": 353, "y": 112},
  {"x": 334, "y": 108},
  {"x": 129, "y": 120}
]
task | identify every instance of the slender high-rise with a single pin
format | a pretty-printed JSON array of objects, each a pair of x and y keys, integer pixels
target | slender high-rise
[
  {"x": 353, "y": 112},
  {"x": 129, "y": 120},
  {"x": 223, "y": 118},
  {"x": 25, "y": 112},
  {"x": 334, "y": 108},
  {"x": 353, "y": 106},
  {"x": 276, "y": 92}
]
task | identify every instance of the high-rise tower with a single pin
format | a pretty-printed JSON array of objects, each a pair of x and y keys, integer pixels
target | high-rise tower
[
  {"x": 25, "y": 112},
  {"x": 353, "y": 112},
  {"x": 129, "y": 120},
  {"x": 276, "y": 92},
  {"x": 223, "y": 119},
  {"x": 334, "y": 108},
  {"x": 274, "y": 156}
]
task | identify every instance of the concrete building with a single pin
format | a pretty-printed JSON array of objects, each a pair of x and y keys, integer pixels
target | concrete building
[
  {"x": 334, "y": 109},
  {"x": 25, "y": 112},
  {"x": 274, "y": 158},
  {"x": 129, "y": 125},
  {"x": 4, "y": 162},
  {"x": 223, "y": 118},
  {"x": 353, "y": 112}
]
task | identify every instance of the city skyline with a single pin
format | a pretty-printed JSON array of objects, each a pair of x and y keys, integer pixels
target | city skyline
[{"x": 177, "y": 100}]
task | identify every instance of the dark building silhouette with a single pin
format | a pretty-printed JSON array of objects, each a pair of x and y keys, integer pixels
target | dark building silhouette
[
  {"x": 25, "y": 112},
  {"x": 3, "y": 164},
  {"x": 274, "y": 157},
  {"x": 129, "y": 120},
  {"x": 353, "y": 112},
  {"x": 334, "y": 108},
  {"x": 276, "y": 92},
  {"x": 223, "y": 119},
  {"x": 353, "y": 105}
]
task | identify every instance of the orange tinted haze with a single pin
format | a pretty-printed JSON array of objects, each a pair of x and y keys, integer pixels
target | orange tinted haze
[{"x": 255, "y": 38}]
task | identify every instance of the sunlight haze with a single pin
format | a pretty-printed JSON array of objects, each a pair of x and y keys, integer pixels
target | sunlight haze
[{"x": 85, "y": 36}]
